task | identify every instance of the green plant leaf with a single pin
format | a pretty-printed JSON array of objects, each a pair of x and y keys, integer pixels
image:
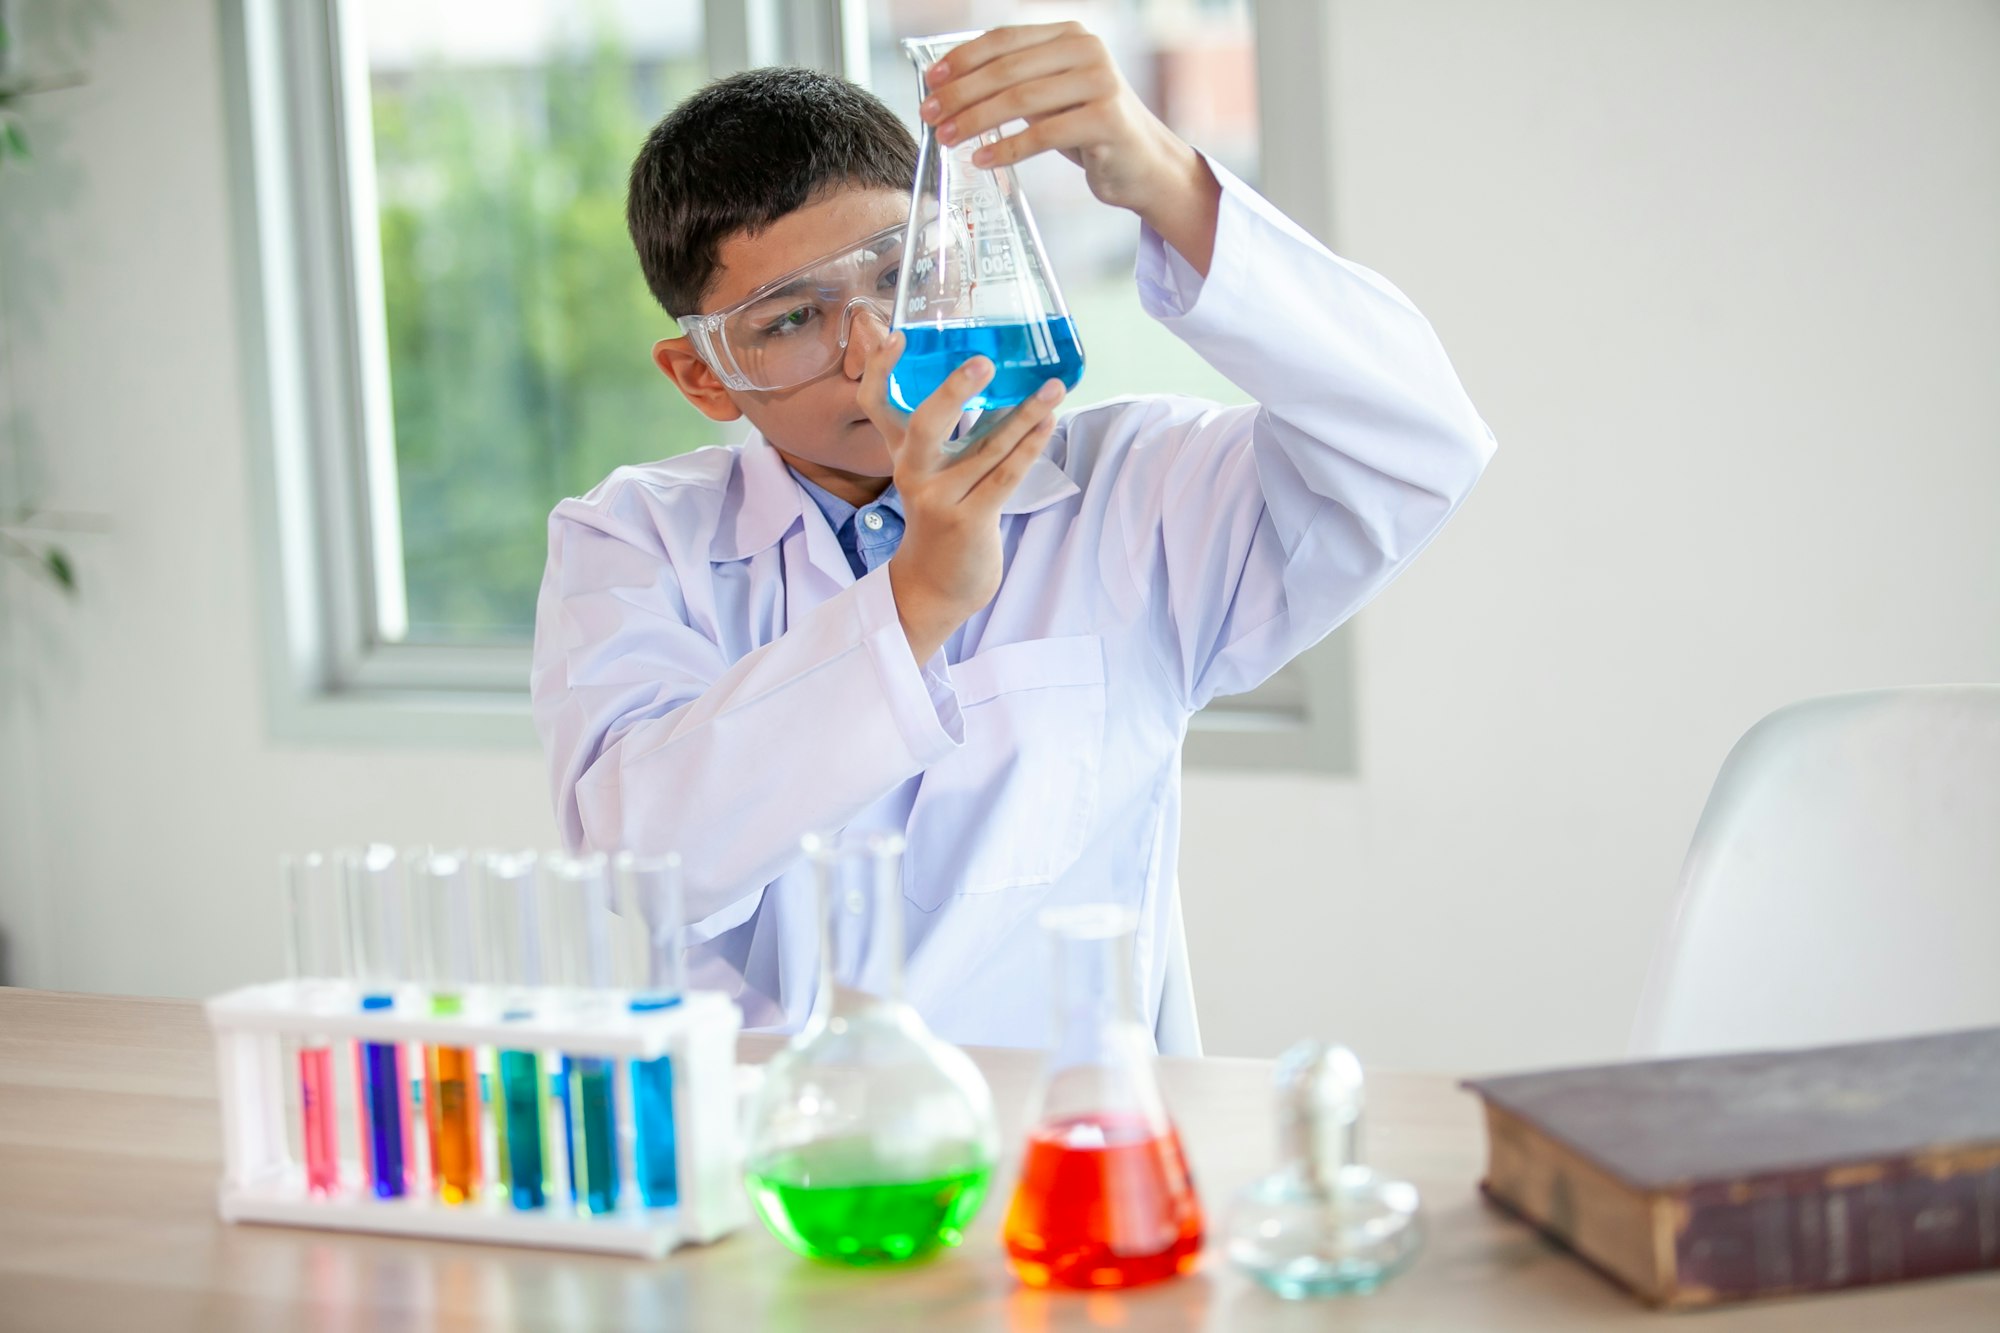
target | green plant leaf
[
  {"x": 13, "y": 141},
  {"x": 60, "y": 569}
]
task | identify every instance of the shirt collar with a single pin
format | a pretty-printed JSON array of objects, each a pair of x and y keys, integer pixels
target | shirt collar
[
  {"x": 839, "y": 513},
  {"x": 764, "y": 499}
]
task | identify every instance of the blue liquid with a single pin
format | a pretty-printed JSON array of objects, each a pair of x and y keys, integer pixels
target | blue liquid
[
  {"x": 523, "y": 1096},
  {"x": 653, "y": 1108},
  {"x": 653, "y": 1116},
  {"x": 593, "y": 1133},
  {"x": 1024, "y": 356},
  {"x": 382, "y": 1068}
]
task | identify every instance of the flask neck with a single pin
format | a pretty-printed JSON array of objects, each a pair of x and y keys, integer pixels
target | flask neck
[
  {"x": 1317, "y": 1144},
  {"x": 861, "y": 931},
  {"x": 1096, "y": 1010},
  {"x": 927, "y": 51},
  {"x": 1321, "y": 1096},
  {"x": 1100, "y": 1067}
]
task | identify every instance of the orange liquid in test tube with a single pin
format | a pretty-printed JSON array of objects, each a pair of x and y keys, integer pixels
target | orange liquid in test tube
[{"x": 451, "y": 1099}]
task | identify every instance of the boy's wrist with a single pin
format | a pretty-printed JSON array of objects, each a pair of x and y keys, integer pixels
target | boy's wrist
[
  {"x": 927, "y": 621},
  {"x": 1185, "y": 204}
]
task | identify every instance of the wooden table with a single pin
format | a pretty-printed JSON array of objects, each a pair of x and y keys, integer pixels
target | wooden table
[{"x": 109, "y": 1157}]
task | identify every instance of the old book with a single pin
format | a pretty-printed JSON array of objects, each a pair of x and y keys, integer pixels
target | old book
[{"x": 1694, "y": 1181}]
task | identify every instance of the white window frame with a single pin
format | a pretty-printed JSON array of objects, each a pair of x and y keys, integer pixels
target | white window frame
[{"x": 316, "y": 384}]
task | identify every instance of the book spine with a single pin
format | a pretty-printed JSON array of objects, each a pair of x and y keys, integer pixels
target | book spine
[{"x": 1845, "y": 1227}]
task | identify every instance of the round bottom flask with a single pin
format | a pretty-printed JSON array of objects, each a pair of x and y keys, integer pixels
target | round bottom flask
[{"x": 871, "y": 1140}]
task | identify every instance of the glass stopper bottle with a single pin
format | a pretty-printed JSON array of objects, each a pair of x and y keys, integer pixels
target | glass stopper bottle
[
  {"x": 1105, "y": 1198},
  {"x": 975, "y": 280},
  {"x": 1323, "y": 1224},
  {"x": 871, "y": 1141}
]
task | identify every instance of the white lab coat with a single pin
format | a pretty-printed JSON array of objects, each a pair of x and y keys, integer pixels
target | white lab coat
[{"x": 710, "y": 677}]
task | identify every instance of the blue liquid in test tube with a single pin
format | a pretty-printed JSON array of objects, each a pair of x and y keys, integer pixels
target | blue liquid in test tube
[
  {"x": 384, "y": 1120},
  {"x": 653, "y": 894},
  {"x": 653, "y": 1112},
  {"x": 375, "y": 918}
]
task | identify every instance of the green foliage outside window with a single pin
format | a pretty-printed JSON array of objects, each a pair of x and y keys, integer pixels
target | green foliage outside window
[{"x": 519, "y": 327}]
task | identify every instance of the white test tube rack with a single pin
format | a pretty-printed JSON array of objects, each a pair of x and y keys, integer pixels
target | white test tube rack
[{"x": 262, "y": 1181}]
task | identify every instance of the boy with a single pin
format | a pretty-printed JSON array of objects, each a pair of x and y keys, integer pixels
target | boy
[{"x": 837, "y": 623}]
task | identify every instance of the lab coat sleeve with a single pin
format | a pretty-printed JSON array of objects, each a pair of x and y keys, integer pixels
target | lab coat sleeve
[
  {"x": 1263, "y": 527},
  {"x": 656, "y": 742}
]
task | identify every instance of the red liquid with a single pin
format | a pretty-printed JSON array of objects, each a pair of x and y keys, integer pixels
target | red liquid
[
  {"x": 1103, "y": 1203},
  {"x": 316, "y": 1120}
]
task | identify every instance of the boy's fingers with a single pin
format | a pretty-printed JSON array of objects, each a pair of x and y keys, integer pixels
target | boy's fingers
[
  {"x": 973, "y": 86},
  {"x": 1035, "y": 414},
  {"x": 937, "y": 414},
  {"x": 1071, "y": 129},
  {"x": 992, "y": 45},
  {"x": 1006, "y": 474}
]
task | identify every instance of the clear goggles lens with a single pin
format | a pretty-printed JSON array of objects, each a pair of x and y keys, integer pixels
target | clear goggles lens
[{"x": 797, "y": 328}]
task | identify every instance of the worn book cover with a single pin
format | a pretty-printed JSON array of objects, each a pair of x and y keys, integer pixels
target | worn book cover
[{"x": 1717, "y": 1178}]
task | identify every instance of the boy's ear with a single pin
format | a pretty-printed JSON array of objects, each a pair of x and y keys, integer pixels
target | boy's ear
[{"x": 677, "y": 360}]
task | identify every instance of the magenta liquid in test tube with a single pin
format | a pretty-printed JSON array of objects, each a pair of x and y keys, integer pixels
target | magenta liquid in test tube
[{"x": 315, "y": 949}]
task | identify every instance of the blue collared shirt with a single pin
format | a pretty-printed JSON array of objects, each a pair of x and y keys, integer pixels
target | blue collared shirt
[{"x": 868, "y": 535}]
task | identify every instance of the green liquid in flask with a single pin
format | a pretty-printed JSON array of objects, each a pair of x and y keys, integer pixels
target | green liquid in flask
[{"x": 804, "y": 1199}]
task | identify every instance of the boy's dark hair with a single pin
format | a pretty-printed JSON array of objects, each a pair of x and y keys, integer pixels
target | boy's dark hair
[{"x": 740, "y": 154}]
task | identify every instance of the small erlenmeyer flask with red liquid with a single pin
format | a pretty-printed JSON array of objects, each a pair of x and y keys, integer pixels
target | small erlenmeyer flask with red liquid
[{"x": 1105, "y": 1198}]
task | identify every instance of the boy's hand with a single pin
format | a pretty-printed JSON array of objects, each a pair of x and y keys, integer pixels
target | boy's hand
[
  {"x": 949, "y": 564},
  {"x": 1061, "y": 80}
]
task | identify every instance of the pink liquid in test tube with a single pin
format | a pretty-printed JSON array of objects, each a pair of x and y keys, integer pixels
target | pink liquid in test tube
[{"x": 316, "y": 1108}]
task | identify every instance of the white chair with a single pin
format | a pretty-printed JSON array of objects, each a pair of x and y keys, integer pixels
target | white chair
[{"x": 1844, "y": 880}]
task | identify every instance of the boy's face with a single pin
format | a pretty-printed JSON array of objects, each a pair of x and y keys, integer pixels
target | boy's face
[{"x": 819, "y": 426}]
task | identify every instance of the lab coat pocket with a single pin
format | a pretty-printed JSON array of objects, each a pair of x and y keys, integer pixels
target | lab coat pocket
[{"x": 1013, "y": 805}]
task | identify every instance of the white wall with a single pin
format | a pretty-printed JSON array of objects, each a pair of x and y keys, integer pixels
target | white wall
[{"x": 1721, "y": 277}]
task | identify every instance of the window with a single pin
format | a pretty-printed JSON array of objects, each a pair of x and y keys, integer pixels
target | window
[{"x": 454, "y": 333}]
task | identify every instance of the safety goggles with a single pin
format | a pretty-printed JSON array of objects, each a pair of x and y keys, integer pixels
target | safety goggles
[{"x": 796, "y": 328}]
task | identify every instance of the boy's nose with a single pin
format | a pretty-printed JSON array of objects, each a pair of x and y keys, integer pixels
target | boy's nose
[{"x": 863, "y": 326}]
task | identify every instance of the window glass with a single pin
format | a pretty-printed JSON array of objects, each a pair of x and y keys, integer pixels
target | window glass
[{"x": 517, "y": 326}]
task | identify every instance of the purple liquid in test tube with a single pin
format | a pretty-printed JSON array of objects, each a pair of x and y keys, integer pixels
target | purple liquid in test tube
[{"x": 376, "y": 915}]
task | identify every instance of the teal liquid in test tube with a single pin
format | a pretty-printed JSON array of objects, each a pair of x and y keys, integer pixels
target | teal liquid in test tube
[
  {"x": 581, "y": 891},
  {"x": 653, "y": 895},
  {"x": 510, "y": 899}
]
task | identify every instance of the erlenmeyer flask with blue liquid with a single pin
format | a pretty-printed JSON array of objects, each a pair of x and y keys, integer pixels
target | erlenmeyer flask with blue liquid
[{"x": 975, "y": 279}]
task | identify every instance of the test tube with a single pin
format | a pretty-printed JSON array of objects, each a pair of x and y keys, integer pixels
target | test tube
[
  {"x": 375, "y": 916},
  {"x": 317, "y": 961},
  {"x": 652, "y": 895},
  {"x": 580, "y": 895},
  {"x": 442, "y": 891},
  {"x": 514, "y": 963}
]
